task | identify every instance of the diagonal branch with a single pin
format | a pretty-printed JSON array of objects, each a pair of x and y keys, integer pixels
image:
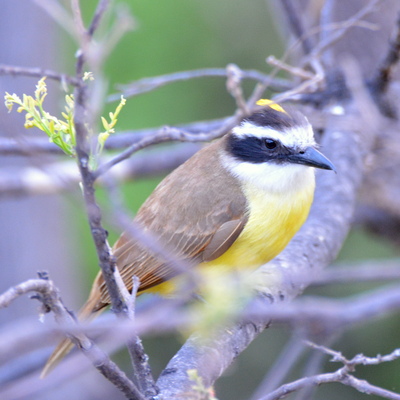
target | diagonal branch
[{"x": 296, "y": 24}]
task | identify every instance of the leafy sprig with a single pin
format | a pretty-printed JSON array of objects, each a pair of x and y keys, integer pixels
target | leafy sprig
[{"x": 61, "y": 131}]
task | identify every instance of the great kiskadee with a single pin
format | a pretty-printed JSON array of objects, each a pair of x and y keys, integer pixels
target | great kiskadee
[{"x": 236, "y": 203}]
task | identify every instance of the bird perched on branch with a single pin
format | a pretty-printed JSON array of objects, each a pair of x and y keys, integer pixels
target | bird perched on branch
[{"x": 236, "y": 203}]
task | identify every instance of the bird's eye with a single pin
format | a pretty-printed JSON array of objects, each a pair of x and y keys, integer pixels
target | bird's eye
[{"x": 270, "y": 144}]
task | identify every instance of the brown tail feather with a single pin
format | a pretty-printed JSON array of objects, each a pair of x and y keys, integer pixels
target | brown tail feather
[{"x": 89, "y": 311}]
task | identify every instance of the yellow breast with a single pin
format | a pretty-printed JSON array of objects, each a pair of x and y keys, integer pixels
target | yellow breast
[{"x": 274, "y": 218}]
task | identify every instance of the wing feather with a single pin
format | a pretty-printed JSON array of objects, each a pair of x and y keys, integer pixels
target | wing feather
[{"x": 191, "y": 214}]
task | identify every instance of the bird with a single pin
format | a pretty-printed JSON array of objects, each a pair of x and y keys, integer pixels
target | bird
[{"x": 235, "y": 203}]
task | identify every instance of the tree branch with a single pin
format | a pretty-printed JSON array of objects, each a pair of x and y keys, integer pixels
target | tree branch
[
  {"x": 296, "y": 25},
  {"x": 342, "y": 375},
  {"x": 49, "y": 296},
  {"x": 148, "y": 84},
  {"x": 385, "y": 72},
  {"x": 38, "y": 73}
]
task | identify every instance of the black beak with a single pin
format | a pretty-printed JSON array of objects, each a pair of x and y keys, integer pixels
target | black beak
[{"x": 312, "y": 158}]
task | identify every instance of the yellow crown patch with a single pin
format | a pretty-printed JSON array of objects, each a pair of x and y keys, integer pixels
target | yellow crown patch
[{"x": 270, "y": 103}]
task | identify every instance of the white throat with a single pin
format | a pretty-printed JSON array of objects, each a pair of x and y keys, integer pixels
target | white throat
[{"x": 270, "y": 177}]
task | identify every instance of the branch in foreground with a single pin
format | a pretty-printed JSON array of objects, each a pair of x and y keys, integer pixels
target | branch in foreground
[
  {"x": 314, "y": 247},
  {"x": 370, "y": 271},
  {"x": 301, "y": 313},
  {"x": 49, "y": 296},
  {"x": 342, "y": 375},
  {"x": 139, "y": 358}
]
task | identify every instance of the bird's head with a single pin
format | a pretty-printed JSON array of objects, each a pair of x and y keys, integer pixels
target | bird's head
[{"x": 275, "y": 146}]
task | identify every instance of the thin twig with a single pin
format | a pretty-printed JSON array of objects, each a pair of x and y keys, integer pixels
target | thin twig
[
  {"x": 56, "y": 11},
  {"x": 99, "y": 234},
  {"x": 370, "y": 271},
  {"x": 142, "y": 371},
  {"x": 32, "y": 285},
  {"x": 342, "y": 375},
  {"x": 166, "y": 134},
  {"x": 288, "y": 357},
  {"x": 83, "y": 37},
  {"x": 315, "y": 361},
  {"x": 38, "y": 73},
  {"x": 346, "y": 25},
  {"x": 101, "y": 8},
  {"x": 300, "y": 72},
  {"x": 297, "y": 25},
  {"x": 30, "y": 145},
  {"x": 147, "y": 84},
  {"x": 234, "y": 87},
  {"x": 140, "y": 360},
  {"x": 385, "y": 72}
]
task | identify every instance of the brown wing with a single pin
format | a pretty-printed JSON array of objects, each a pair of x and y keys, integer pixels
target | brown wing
[{"x": 191, "y": 214}]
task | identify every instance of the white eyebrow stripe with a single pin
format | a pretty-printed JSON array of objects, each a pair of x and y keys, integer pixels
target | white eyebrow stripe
[{"x": 299, "y": 136}]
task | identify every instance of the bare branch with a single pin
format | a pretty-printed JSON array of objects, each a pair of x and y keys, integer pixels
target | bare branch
[
  {"x": 37, "y": 73},
  {"x": 58, "y": 177},
  {"x": 300, "y": 72},
  {"x": 142, "y": 370},
  {"x": 384, "y": 75},
  {"x": 59, "y": 14},
  {"x": 282, "y": 366},
  {"x": 102, "y": 6},
  {"x": 314, "y": 364},
  {"x": 147, "y": 84},
  {"x": 346, "y": 25},
  {"x": 31, "y": 145},
  {"x": 165, "y": 134},
  {"x": 233, "y": 86},
  {"x": 32, "y": 285},
  {"x": 99, "y": 234},
  {"x": 369, "y": 271},
  {"x": 296, "y": 24},
  {"x": 49, "y": 296},
  {"x": 342, "y": 375}
]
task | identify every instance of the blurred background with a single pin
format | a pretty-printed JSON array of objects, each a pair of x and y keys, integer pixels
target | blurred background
[{"x": 51, "y": 232}]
